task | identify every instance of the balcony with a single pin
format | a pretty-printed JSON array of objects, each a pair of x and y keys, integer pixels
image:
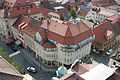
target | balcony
[
  {"x": 49, "y": 46},
  {"x": 68, "y": 49}
]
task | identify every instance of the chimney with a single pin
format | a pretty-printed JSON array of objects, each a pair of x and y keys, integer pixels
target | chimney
[{"x": 48, "y": 22}]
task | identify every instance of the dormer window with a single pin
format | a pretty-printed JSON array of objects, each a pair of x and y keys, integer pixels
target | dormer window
[
  {"x": 18, "y": 8},
  {"x": 109, "y": 34},
  {"x": 31, "y": 6}
]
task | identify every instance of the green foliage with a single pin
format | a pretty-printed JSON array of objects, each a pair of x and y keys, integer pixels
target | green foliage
[
  {"x": 82, "y": 17},
  {"x": 73, "y": 13},
  {"x": 11, "y": 61}
]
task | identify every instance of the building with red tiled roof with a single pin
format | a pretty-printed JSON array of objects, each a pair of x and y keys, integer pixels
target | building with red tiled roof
[
  {"x": 73, "y": 4},
  {"x": 104, "y": 37},
  {"x": 57, "y": 39},
  {"x": 65, "y": 31},
  {"x": 99, "y": 14},
  {"x": 20, "y": 7},
  {"x": 102, "y": 3},
  {"x": 82, "y": 68},
  {"x": 115, "y": 21},
  {"x": 90, "y": 72}
]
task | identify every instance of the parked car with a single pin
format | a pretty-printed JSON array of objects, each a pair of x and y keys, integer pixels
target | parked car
[
  {"x": 31, "y": 69},
  {"x": 109, "y": 52}
]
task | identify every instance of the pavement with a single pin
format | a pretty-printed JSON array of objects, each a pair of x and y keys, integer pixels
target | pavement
[
  {"x": 28, "y": 55},
  {"x": 26, "y": 61},
  {"x": 96, "y": 58}
]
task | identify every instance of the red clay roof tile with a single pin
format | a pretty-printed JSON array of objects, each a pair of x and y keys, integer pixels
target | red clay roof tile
[
  {"x": 71, "y": 76},
  {"x": 67, "y": 33},
  {"x": 99, "y": 32}
]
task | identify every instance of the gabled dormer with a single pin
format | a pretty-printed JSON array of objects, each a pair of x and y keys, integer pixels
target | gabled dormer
[
  {"x": 38, "y": 38},
  {"x": 109, "y": 34}
]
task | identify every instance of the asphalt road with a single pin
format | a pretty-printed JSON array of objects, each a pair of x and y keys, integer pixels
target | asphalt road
[
  {"x": 20, "y": 59},
  {"x": 95, "y": 58}
]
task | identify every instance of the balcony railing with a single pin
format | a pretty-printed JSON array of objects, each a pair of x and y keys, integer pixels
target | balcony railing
[
  {"x": 68, "y": 49},
  {"x": 50, "y": 49}
]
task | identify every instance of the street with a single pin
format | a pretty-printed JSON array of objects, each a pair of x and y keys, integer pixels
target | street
[
  {"x": 25, "y": 63},
  {"x": 95, "y": 58}
]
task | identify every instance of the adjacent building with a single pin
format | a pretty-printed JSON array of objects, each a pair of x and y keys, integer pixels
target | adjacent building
[
  {"x": 105, "y": 37},
  {"x": 102, "y": 3},
  {"x": 115, "y": 21},
  {"x": 80, "y": 71},
  {"x": 99, "y": 14}
]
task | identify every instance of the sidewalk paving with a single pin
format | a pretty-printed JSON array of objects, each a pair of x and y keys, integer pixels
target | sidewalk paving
[{"x": 33, "y": 61}]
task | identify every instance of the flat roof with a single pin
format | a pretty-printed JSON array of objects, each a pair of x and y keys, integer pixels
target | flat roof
[{"x": 99, "y": 72}]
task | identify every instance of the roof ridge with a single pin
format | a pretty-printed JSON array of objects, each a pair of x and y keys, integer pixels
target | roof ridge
[
  {"x": 10, "y": 74},
  {"x": 10, "y": 65}
]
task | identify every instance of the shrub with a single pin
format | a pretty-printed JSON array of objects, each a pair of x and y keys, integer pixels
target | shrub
[{"x": 11, "y": 61}]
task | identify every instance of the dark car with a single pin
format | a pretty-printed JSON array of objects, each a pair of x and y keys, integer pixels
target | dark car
[
  {"x": 31, "y": 69},
  {"x": 14, "y": 49}
]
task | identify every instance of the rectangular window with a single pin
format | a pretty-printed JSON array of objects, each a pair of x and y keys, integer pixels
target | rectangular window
[
  {"x": 67, "y": 60},
  {"x": 8, "y": 33},
  {"x": 31, "y": 6},
  {"x": 18, "y": 8},
  {"x": 7, "y": 27}
]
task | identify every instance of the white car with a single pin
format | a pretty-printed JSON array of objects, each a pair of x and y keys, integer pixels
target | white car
[
  {"x": 31, "y": 69},
  {"x": 109, "y": 52}
]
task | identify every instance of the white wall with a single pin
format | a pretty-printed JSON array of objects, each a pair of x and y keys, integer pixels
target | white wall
[
  {"x": 118, "y": 1},
  {"x": 66, "y": 57}
]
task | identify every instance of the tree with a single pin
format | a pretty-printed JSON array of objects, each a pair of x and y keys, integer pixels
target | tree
[
  {"x": 11, "y": 61},
  {"x": 73, "y": 13}
]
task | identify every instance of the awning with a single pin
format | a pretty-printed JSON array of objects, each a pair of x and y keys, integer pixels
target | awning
[
  {"x": 8, "y": 41},
  {"x": 18, "y": 42}
]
